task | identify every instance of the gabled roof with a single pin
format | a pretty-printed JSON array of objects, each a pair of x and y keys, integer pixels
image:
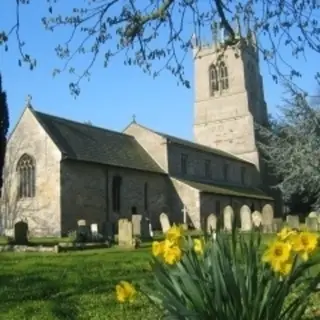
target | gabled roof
[
  {"x": 84, "y": 142},
  {"x": 236, "y": 191}
]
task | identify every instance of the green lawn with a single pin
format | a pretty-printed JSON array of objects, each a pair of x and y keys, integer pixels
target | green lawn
[{"x": 74, "y": 285}]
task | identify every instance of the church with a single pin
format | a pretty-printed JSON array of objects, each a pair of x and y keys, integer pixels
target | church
[{"x": 58, "y": 171}]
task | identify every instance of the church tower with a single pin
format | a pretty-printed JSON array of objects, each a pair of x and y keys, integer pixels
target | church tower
[{"x": 229, "y": 96}]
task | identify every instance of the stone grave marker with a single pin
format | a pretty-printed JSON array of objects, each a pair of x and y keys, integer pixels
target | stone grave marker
[
  {"x": 108, "y": 231},
  {"x": 293, "y": 221},
  {"x": 245, "y": 218},
  {"x": 82, "y": 222},
  {"x": 136, "y": 223},
  {"x": 267, "y": 218},
  {"x": 312, "y": 224},
  {"x": 145, "y": 229},
  {"x": 315, "y": 214},
  {"x": 83, "y": 231},
  {"x": 125, "y": 233},
  {"x": 94, "y": 228},
  {"x": 165, "y": 223},
  {"x": 277, "y": 224},
  {"x": 211, "y": 223},
  {"x": 256, "y": 219},
  {"x": 185, "y": 215},
  {"x": 21, "y": 233},
  {"x": 228, "y": 218}
]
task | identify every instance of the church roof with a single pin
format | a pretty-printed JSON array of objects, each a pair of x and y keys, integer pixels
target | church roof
[
  {"x": 84, "y": 142},
  {"x": 245, "y": 192}
]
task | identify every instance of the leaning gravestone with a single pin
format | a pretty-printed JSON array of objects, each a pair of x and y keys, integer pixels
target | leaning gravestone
[
  {"x": 136, "y": 223},
  {"x": 256, "y": 219},
  {"x": 211, "y": 223},
  {"x": 245, "y": 217},
  {"x": 165, "y": 223},
  {"x": 293, "y": 221},
  {"x": 312, "y": 224},
  {"x": 267, "y": 218},
  {"x": 228, "y": 218},
  {"x": 125, "y": 233},
  {"x": 21, "y": 233}
]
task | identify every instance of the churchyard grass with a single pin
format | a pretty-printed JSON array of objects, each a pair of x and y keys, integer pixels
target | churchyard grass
[{"x": 77, "y": 285}]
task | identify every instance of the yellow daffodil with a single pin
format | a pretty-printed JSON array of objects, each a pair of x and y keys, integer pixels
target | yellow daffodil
[
  {"x": 157, "y": 248},
  {"x": 198, "y": 246},
  {"x": 125, "y": 292},
  {"x": 277, "y": 254},
  {"x": 286, "y": 267},
  {"x": 175, "y": 233},
  {"x": 286, "y": 233},
  {"x": 172, "y": 254},
  {"x": 304, "y": 243}
]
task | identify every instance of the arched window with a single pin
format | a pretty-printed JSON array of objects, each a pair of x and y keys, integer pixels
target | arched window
[
  {"x": 223, "y": 73},
  {"x": 26, "y": 169},
  {"x": 116, "y": 193},
  {"x": 214, "y": 79}
]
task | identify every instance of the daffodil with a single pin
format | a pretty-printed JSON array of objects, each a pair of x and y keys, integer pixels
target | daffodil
[
  {"x": 277, "y": 254},
  {"x": 172, "y": 254},
  {"x": 174, "y": 234},
  {"x": 304, "y": 243},
  {"x": 286, "y": 233},
  {"x": 157, "y": 248},
  {"x": 198, "y": 246},
  {"x": 125, "y": 292}
]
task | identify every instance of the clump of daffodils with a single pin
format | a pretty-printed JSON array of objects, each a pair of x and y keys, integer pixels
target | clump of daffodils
[
  {"x": 289, "y": 243},
  {"x": 125, "y": 292},
  {"x": 171, "y": 248}
]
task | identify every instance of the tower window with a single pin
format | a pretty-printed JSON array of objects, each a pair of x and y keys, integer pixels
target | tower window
[
  {"x": 116, "y": 193},
  {"x": 184, "y": 163},
  {"x": 214, "y": 79},
  {"x": 27, "y": 177},
  {"x": 223, "y": 73}
]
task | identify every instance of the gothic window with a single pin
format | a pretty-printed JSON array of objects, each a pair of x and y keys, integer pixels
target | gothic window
[
  {"x": 116, "y": 193},
  {"x": 27, "y": 177},
  {"x": 243, "y": 175},
  {"x": 207, "y": 168},
  {"x": 184, "y": 163},
  {"x": 214, "y": 79},
  {"x": 225, "y": 171},
  {"x": 145, "y": 197},
  {"x": 223, "y": 73}
]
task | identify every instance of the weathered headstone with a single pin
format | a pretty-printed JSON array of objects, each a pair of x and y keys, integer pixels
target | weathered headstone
[
  {"x": 136, "y": 223},
  {"x": 256, "y": 219},
  {"x": 228, "y": 218},
  {"x": 94, "y": 228},
  {"x": 211, "y": 223},
  {"x": 293, "y": 221},
  {"x": 312, "y": 224},
  {"x": 315, "y": 214},
  {"x": 125, "y": 233},
  {"x": 267, "y": 218},
  {"x": 277, "y": 224},
  {"x": 165, "y": 223},
  {"x": 245, "y": 216},
  {"x": 21, "y": 233},
  {"x": 82, "y": 222},
  {"x": 145, "y": 229}
]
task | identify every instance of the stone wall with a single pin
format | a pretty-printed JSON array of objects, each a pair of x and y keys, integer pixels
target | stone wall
[
  {"x": 87, "y": 193},
  {"x": 42, "y": 212},
  {"x": 196, "y": 166}
]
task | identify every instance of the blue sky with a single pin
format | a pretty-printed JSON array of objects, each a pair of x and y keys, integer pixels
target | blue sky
[{"x": 113, "y": 94}]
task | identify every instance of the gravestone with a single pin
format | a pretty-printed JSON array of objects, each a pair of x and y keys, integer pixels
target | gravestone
[
  {"x": 277, "y": 224},
  {"x": 211, "y": 223},
  {"x": 165, "y": 223},
  {"x": 315, "y": 214},
  {"x": 185, "y": 215},
  {"x": 125, "y": 233},
  {"x": 94, "y": 228},
  {"x": 108, "y": 231},
  {"x": 21, "y": 233},
  {"x": 267, "y": 218},
  {"x": 145, "y": 229},
  {"x": 312, "y": 224},
  {"x": 136, "y": 223},
  {"x": 82, "y": 222},
  {"x": 228, "y": 218},
  {"x": 293, "y": 221},
  {"x": 256, "y": 219},
  {"x": 245, "y": 217}
]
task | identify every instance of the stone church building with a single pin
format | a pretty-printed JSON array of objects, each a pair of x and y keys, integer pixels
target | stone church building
[{"x": 59, "y": 171}]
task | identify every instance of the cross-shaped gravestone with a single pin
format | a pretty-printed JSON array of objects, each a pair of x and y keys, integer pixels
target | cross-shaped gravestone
[{"x": 184, "y": 211}]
